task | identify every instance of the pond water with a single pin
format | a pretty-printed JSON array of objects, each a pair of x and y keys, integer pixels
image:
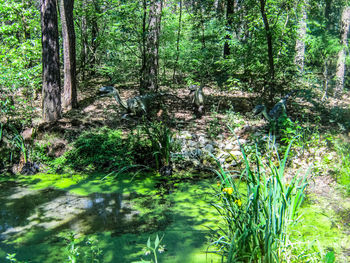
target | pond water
[{"x": 32, "y": 220}]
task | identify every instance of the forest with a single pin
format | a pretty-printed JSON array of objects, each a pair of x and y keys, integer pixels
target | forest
[{"x": 183, "y": 131}]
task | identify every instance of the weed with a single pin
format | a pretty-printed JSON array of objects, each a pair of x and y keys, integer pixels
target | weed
[{"x": 153, "y": 249}]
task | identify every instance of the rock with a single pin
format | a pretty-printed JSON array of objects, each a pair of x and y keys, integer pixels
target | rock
[
  {"x": 209, "y": 148},
  {"x": 30, "y": 168},
  {"x": 242, "y": 141},
  {"x": 229, "y": 146},
  {"x": 236, "y": 153},
  {"x": 27, "y": 134},
  {"x": 202, "y": 140},
  {"x": 191, "y": 143},
  {"x": 185, "y": 135},
  {"x": 195, "y": 162}
]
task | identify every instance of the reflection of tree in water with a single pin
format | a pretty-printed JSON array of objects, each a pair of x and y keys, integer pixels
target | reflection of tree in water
[
  {"x": 105, "y": 209},
  {"x": 49, "y": 209}
]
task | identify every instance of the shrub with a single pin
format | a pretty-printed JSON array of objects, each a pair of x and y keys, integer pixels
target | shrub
[{"x": 99, "y": 149}]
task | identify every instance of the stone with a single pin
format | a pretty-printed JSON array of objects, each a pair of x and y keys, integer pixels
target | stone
[
  {"x": 202, "y": 140},
  {"x": 191, "y": 143},
  {"x": 229, "y": 146},
  {"x": 209, "y": 148}
]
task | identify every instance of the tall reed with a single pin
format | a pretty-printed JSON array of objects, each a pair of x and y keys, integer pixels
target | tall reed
[{"x": 256, "y": 219}]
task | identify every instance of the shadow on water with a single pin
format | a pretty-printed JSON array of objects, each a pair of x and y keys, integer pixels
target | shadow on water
[{"x": 31, "y": 222}]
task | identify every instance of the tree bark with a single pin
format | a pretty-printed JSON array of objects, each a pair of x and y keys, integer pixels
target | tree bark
[
  {"x": 268, "y": 38},
  {"x": 178, "y": 42},
  {"x": 51, "y": 89},
  {"x": 149, "y": 74},
  {"x": 229, "y": 21},
  {"x": 340, "y": 73},
  {"x": 84, "y": 40},
  {"x": 268, "y": 31},
  {"x": 69, "y": 57},
  {"x": 300, "y": 43}
]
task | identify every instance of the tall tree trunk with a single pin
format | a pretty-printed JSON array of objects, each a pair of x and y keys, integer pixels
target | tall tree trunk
[
  {"x": 340, "y": 73},
  {"x": 229, "y": 22},
  {"x": 268, "y": 31},
  {"x": 84, "y": 40},
  {"x": 68, "y": 34},
  {"x": 51, "y": 90},
  {"x": 178, "y": 42},
  {"x": 149, "y": 74},
  {"x": 143, "y": 47},
  {"x": 300, "y": 43}
]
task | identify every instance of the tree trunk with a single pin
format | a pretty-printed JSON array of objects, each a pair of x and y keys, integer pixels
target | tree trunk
[
  {"x": 229, "y": 21},
  {"x": 178, "y": 42},
  {"x": 149, "y": 74},
  {"x": 340, "y": 73},
  {"x": 68, "y": 35},
  {"x": 84, "y": 40},
  {"x": 268, "y": 38},
  {"x": 51, "y": 89},
  {"x": 300, "y": 43},
  {"x": 271, "y": 90}
]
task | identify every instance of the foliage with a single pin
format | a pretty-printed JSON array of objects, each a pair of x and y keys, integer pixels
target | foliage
[
  {"x": 12, "y": 258},
  {"x": 255, "y": 223},
  {"x": 98, "y": 149},
  {"x": 153, "y": 249},
  {"x": 343, "y": 173},
  {"x": 86, "y": 250},
  {"x": 162, "y": 142},
  {"x": 109, "y": 149},
  {"x": 12, "y": 145},
  {"x": 20, "y": 55}
]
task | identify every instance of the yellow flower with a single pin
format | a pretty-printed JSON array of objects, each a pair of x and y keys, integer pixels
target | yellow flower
[
  {"x": 238, "y": 202},
  {"x": 218, "y": 183},
  {"x": 228, "y": 190}
]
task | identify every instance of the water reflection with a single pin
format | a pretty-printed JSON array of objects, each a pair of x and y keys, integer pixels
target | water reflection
[{"x": 49, "y": 209}]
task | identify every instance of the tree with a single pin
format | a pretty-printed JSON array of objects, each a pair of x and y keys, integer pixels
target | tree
[
  {"x": 229, "y": 21},
  {"x": 340, "y": 72},
  {"x": 51, "y": 88},
  {"x": 269, "y": 42},
  {"x": 149, "y": 69},
  {"x": 69, "y": 58},
  {"x": 300, "y": 43}
]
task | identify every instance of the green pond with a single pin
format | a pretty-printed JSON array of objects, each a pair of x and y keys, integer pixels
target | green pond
[{"x": 38, "y": 212}]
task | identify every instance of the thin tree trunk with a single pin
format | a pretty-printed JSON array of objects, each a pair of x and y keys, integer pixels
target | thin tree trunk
[
  {"x": 84, "y": 41},
  {"x": 229, "y": 22},
  {"x": 143, "y": 48},
  {"x": 300, "y": 43},
  {"x": 68, "y": 34},
  {"x": 268, "y": 38},
  {"x": 340, "y": 73},
  {"x": 268, "y": 31},
  {"x": 178, "y": 42},
  {"x": 51, "y": 90}
]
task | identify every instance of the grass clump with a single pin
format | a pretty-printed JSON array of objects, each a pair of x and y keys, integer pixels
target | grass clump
[{"x": 256, "y": 221}]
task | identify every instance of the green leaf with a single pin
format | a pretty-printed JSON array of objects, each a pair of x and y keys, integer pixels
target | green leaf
[
  {"x": 149, "y": 242},
  {"x": 156, "y": 242},
  {"x": 329, "y": 257}
]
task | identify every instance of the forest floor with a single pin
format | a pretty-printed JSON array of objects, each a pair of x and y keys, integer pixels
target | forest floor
[{"x": 325, "y": 197}]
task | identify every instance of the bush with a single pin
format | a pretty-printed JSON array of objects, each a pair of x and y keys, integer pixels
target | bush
[{"x": 104, "y": 148}]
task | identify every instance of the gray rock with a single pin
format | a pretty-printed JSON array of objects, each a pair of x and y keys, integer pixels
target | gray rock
[
  {"x": 229, "y": 146},
  {"x": 209, "y": 148}
]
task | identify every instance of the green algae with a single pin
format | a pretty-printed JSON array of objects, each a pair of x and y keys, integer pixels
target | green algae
[
  {"x": 182, "y": 215},
  {"x": 97, "y": 183}
]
